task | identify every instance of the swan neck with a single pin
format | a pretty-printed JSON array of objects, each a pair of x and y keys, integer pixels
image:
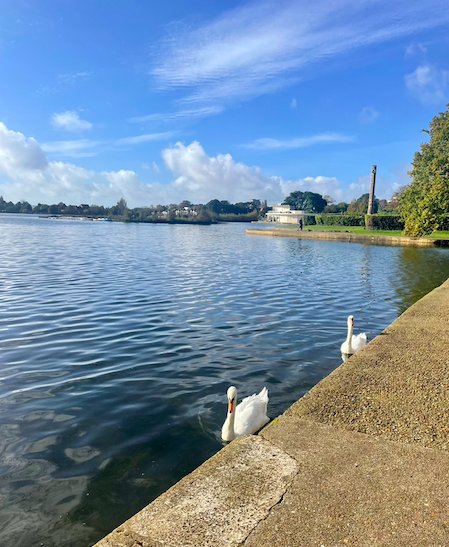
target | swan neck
[
  {"x": 349, "y": 337},
  {"x": 228, "y": 433}
]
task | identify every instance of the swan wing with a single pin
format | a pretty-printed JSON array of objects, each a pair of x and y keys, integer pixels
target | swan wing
[
  {"x": 251, "y": 414},
  {"x": 358, "y": 341},
  {"x": 262, "y": 396}
]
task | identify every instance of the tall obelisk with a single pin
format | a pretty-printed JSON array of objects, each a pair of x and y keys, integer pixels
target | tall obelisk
[{"x": 371, "y": 192}]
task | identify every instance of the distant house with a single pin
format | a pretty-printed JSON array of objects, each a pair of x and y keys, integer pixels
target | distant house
[
  {"x": 84, "y": 206},
  {"x": 284, "y": 215}
]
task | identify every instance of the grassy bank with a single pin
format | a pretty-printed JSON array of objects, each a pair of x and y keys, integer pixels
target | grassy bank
[{"x": 361, "y": 230}]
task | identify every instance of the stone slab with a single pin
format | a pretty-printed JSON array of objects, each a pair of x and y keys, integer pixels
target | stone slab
[
  {"x": 216, "y": 505},
  {"x": 358, "y": 490}
]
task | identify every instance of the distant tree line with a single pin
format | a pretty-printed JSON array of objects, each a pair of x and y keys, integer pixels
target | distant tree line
[
  {"x": 311, "y": 202},
  {"x": 214, "y": 210},
  {"x": 185, "y": 211},
  {"x": 62, "y": 209}
]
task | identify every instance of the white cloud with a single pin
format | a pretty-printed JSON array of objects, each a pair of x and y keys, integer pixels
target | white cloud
[
  {"x": 429, "y": 84},
  {"x": 259, "y": 47},
  {"x": 70, "y": 121},
  {"x": 19, "y": 154},
  {"x": 293, "y": 104},
  {"x": 301, "y": 142},
  {"x": 201, "y": 178},
  {"x": 156, "y": 167},
  {"x": 368, "y": 114},
  {"x": 27, "y": 174}
]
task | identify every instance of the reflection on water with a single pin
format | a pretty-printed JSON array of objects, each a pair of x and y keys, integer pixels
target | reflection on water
[
  {"x": 118, "y": 343},
  {"x": 415, "y": 270}
]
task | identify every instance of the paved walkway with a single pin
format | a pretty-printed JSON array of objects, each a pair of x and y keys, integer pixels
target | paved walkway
[{"x": 361, "y": 460}]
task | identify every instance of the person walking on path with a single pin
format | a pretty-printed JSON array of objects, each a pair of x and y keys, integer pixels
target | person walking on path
[{"x": 300, "y": 224}]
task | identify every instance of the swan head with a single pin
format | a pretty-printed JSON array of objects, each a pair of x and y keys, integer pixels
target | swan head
[
  {"x": 351, "y": 321},
  {"x": 232, "y": 399}
]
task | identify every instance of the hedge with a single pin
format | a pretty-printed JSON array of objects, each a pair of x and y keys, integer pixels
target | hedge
[
  {"x": 340, "y": 220},
  {"x": 309, "y": 220},
  {"x": 384, "y": 222},
  {"x": 444, "y": 225}
]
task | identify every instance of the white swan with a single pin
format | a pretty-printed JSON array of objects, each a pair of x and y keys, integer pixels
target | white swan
[
  {"x": 353, "y": 343},
  {"x": 247, "y": 417}
]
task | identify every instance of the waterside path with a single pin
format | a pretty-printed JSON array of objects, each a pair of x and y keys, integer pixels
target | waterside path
[
  {"x": 361, "y": 460},
  {"x": 349, "y": 237}
]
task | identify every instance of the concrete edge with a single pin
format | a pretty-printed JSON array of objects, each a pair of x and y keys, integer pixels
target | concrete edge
[
  {"x": 219, "y": 503},
  {"x": 349, "y": 238}
]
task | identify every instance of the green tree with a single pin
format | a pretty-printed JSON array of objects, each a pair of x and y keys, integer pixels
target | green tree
[
  {"x": 121, "y": 206},
  {"x": 25, "y": 207},
  {"x": 295, "y": 200},
  {"x": 306, "y": 201},
  {"x": 360, "y": 205},
  {"x": 425, "y": 202},
  {"x": 314, "y": 203}
]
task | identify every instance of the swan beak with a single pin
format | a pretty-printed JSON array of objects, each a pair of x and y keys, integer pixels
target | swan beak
[
  {"x": 352, "y": 323},
  {"x": 230, "y": 406}
]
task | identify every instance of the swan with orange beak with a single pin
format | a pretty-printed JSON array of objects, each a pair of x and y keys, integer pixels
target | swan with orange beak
[
  {"x": 247, "y": 417},
  {"x": 352, "y": 343}
]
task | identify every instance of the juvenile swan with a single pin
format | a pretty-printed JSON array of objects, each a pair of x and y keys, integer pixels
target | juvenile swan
[
  {"x": 353, "y": 343},
  {"x": 247, "y": 417}
]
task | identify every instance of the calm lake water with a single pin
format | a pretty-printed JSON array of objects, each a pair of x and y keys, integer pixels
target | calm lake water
[{"x": 118, "y": 343}]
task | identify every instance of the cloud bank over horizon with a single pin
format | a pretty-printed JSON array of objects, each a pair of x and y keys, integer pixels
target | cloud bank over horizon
[{"x": 27, "y": 174}]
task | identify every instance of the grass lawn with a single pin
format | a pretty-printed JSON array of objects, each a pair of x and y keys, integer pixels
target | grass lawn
[{"x": 361, "y": 230}]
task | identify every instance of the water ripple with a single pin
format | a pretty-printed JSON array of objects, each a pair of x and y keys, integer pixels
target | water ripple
[{"x": 117, "y": 345}]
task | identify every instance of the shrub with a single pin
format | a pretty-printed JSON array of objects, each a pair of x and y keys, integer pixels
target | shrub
[
  {"x": 384, "y": 222},
  {"x": 340, "y": 220}
]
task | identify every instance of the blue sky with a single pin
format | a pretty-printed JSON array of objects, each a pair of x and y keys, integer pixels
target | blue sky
[{"x": 164, "y": 101}]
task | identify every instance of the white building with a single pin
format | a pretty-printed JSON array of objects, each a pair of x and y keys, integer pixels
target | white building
[{"x": 284, "y": 215}]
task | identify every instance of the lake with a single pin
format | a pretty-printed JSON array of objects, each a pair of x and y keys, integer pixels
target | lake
[{"x": 118, "y": 343}]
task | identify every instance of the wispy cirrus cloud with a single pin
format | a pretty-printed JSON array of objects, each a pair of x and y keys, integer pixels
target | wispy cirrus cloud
[
  {"x": 149, "y": 137},
  {"x": 179, "y": 115},
  {"x": 73, "y": 77},
  {"x": 82, "y": 148},
  {"x": 300, "y": 142},
  {"x": 261, "y": 47}
]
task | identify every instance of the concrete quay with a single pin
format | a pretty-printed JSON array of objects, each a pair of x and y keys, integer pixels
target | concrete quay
[
  {"x": 349, "y": 237},
  {"x": 361, "y": 460}
]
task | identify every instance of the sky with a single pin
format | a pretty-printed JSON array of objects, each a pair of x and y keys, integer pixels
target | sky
[{"x": 159, "y": 102}]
